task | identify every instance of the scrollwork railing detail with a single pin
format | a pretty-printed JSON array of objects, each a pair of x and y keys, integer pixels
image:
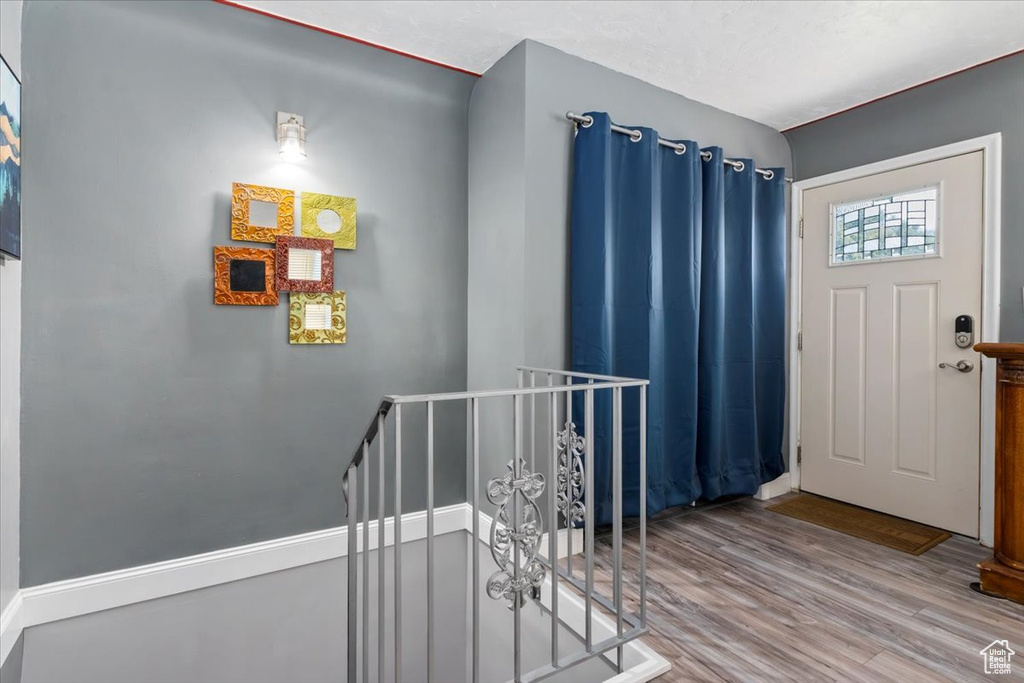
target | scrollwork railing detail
[
  {"x": 570, "y": 474},
  {"x": 508, "y": 534}
]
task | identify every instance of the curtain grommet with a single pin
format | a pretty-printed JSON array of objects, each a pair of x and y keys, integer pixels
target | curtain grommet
[
  {"x": 739, "y": 166},
  {"x": 587, "y": 122},
  {"x": 768, "y": 175},
  {"x": 680, "y": 148},
  {"x": 706, "y": 156},
  {"x": 637, "y": 136}
]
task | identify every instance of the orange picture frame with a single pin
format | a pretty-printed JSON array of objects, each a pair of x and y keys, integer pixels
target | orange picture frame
[
  {"x": 223, "y": 293},
  {"x": 241, "y": 197}
]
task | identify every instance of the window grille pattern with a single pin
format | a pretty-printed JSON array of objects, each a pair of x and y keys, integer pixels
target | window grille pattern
[{"x": 894, "y": 226}]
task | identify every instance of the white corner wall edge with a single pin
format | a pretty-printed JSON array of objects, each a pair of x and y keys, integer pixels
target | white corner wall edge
[
  {"x": 76, "y": 597},
  {"x": 775, "y": 488},
  {"x": 11, "y": 625}
]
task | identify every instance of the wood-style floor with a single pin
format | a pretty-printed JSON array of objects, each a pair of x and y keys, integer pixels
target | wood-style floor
[{"x": 737, "y": 593}]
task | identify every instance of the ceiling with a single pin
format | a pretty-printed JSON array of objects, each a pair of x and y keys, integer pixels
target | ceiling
[{"x": 780, "y": 63}]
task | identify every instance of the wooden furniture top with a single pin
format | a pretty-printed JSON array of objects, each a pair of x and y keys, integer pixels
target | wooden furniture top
[{"x": 1004, "y": 350}]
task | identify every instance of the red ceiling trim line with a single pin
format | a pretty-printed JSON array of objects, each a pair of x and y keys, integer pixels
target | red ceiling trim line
[
  {"x": 907, "y": 89},
  {"x": 329, "y": 32}
]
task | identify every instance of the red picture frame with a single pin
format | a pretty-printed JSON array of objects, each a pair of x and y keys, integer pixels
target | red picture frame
[{"x": 283, "y": 247}]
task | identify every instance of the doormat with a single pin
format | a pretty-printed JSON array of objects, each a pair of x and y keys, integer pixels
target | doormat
[{"x": 892, "y": 532}]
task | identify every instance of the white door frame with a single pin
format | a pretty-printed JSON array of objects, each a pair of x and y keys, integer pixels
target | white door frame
[{"x": 992, "y": 146}]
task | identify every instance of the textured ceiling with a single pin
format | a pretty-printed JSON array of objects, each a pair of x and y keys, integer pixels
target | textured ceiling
[{"x": 780, "y": 63}]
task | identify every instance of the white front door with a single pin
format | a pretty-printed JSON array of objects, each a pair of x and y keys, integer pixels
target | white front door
[{"x": 890, "y": 262}]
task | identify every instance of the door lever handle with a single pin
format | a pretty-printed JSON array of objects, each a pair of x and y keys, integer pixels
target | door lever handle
[{"x": 961, "y": 365}]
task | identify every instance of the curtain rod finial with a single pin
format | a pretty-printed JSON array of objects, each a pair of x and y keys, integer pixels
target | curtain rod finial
[{"x": 585, "y": 121}]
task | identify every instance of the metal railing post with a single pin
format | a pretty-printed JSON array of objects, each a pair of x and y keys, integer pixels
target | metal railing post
[
  {"x": 643, "y": 506},
  {"x": 533, "y": 424},
  {"x": 588, "y": 526},
  {"x": 475, "y": 550},
  {"x": 382, "y": 634},
  {"x": 568, "y": 479},
  {"x": 352, "y": 512},
  {"x": 430, "y": 541},
  {"x": 617, "y": 514},
  {"x": 553, "y": 514},
  {"x": 365, "y": 467},
  {"x": 398, "y": 543},
  {"x": 517, "y": 474}
]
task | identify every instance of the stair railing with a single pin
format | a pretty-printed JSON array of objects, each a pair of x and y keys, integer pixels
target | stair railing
[{"x": 517, "y": 527}]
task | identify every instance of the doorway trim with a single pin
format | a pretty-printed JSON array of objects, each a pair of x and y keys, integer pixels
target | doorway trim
[{"x": 992, "y": 147}]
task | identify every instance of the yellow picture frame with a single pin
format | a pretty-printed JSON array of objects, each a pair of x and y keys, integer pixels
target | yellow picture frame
[
  {"x": 345, "y": 207},
  {"x": 337, "y": 333}
]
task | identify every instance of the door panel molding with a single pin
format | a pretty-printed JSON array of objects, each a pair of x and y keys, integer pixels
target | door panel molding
[
  {"x": 914, "y": 357},
  {"x": 848, "y": 380},
  {"x": 991, "y": 146}
]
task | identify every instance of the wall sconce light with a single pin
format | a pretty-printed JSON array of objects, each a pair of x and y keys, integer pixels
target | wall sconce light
[{"x": 291, "y": 136}]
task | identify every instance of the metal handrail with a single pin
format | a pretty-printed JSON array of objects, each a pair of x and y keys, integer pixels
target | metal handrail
[
  {"x": 567, "y": 451},
  {"x": 580, "y": 375},
  {"x": 391, "y": 400},
  {"x": 383, "y": 408},
  {"x": 524, "y": 391}
]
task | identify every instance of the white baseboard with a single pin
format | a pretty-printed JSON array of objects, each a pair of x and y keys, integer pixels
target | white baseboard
[
  {"x": 76, "y": 597},
  {"x": 11, "y": 625},
  {"x": 775, "y": 488}
]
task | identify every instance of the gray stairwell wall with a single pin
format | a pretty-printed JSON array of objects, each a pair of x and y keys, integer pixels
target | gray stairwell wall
[
  {"x": 157, "y": 425},
  {"x": 287, "y": 626},
  {"x": 983, "y": 100},
  {"x": 291, "y": 626},
  {"x": 520, "y": 174}
]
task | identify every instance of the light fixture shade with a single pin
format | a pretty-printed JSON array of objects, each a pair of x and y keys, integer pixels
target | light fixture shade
[{"x": 291, "y": 136}]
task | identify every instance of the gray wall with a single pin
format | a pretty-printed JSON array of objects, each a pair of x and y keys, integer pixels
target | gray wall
[
  {"x": 497, "y": 213},
  {"x": 10, "y": 361},
  {"x": 157, "y": 425},
  {"x": 520, "y": 174},
  {"x": 983, "y": 100}
]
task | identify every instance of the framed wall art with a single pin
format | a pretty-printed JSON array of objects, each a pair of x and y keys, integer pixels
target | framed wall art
[
  {"x": 328, "y": 217},
  {"x": 260, "y": 214},
  {"x": 244, "y": 276},
  {"x": 10, "y": 162},
  {"x": 304, "y": 264},
  {"x": 317, "y": 318}
]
